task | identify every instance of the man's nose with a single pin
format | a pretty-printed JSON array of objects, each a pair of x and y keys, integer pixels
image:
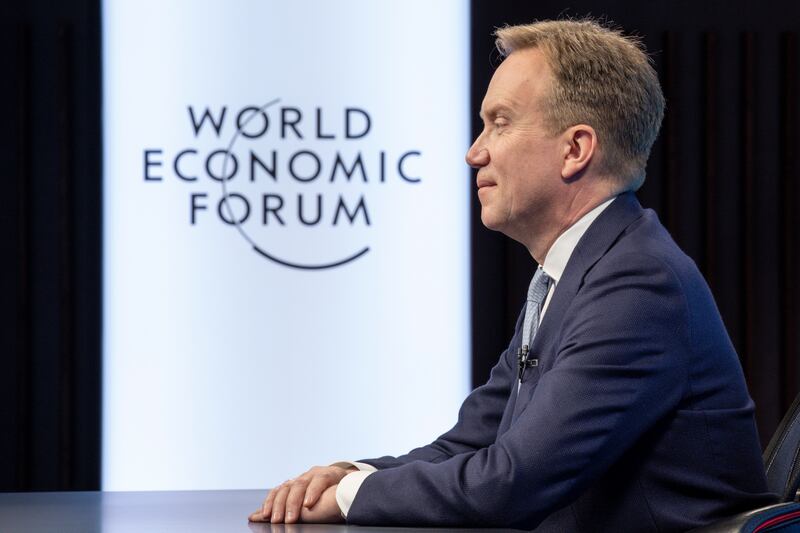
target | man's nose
[{"x": 477, "y": 156}]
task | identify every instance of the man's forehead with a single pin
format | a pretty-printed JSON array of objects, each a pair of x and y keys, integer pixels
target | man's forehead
[
  {"x": 516, "y": 82},
  {"x": 522, "y": 66}
]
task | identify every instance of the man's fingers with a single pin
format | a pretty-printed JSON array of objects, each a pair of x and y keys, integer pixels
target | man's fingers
[
  {"x": 266, "y": 508},
  {"x": 325, "y": 478},
  {"x": 315, "y": 488},
  {"x": 294, "y": 500},
  {"x": 279, "y": 504},
  {"x": 287, "y": 502},
  {"x": 326, "y": 509}
]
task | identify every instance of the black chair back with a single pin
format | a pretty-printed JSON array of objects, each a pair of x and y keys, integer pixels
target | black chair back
[{"x": 782, "y": 456}]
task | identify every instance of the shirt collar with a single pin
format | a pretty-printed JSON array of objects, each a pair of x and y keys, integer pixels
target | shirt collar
[{"x": 557, "y": 257}]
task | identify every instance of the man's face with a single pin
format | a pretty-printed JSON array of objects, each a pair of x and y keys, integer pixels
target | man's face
[{"x": 519, "y": 163}]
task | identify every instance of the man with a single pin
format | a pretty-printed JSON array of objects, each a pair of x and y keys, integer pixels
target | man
[{"x": 620, "y": 403}]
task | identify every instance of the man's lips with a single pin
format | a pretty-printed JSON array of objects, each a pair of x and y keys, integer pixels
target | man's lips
[{"x": 483, "y": 182}]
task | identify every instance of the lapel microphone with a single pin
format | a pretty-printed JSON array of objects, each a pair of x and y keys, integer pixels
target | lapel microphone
[{"x": 523, "y": 361}]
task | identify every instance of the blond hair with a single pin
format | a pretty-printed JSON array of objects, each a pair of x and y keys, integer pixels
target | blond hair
[{"x": 602, "y": 79}]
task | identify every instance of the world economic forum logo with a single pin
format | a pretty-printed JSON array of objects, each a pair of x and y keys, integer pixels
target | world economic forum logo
[{"x": 277, "y": 167}]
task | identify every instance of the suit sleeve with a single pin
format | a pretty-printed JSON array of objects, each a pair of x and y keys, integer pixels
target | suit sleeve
[
  {"x": 478, "y": 418},
  {"x": 619, "y": 369}
]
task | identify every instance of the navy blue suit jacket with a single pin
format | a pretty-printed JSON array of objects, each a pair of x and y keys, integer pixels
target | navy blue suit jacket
[{"x": 636, "y": 419}]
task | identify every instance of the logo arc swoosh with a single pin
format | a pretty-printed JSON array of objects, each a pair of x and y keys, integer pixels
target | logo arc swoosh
[{"x": 310, "y": 267}]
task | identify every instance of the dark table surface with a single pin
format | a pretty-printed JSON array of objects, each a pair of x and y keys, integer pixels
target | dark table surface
[{"x": 129, "y": 512}]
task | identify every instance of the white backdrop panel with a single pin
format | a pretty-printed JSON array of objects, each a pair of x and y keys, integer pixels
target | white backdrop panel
[{"x": 224, "y": 368}]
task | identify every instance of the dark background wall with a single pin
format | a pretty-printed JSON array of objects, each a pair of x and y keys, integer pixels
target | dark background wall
[
  {"x": 723, "y": 178},
  {"x": 50, "y": 228}
]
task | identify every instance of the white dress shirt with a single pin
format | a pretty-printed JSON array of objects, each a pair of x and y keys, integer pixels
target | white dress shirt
[{"x": 554, "y": 264}]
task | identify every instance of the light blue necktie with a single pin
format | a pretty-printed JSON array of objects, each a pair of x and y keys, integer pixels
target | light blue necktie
[{"x": 537, "y": 292}]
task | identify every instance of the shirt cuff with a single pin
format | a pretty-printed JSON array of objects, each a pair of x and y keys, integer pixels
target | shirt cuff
[
  {"x": 364, "y": 467},
  {"x": 348, "y": 487}
]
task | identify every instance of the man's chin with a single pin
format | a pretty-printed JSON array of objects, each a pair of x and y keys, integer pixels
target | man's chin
[{"x": 491, "y": 222}]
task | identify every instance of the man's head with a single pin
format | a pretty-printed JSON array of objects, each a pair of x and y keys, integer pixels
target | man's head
[
  {"x": 602, "y": 79},
  {"x": 569, "y": 119}
]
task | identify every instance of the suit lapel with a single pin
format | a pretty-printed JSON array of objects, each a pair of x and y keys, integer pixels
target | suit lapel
[{"x": 597, "y": 240}]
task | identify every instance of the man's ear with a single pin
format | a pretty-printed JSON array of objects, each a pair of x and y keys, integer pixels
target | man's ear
[{"x": 580, "y": 146}]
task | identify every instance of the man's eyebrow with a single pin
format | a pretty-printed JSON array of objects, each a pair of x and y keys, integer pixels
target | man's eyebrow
[{"x": 494, "y": 110}]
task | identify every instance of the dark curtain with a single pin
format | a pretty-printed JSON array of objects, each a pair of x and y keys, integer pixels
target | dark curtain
[
  {"x": 50, "y": 227},
  {"x": 723, "y": 178}
]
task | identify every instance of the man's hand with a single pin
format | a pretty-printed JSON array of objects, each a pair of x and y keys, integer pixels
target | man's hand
[
  {"x": 326, "y": 510},
  {"x": 295, "y": 499}
]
